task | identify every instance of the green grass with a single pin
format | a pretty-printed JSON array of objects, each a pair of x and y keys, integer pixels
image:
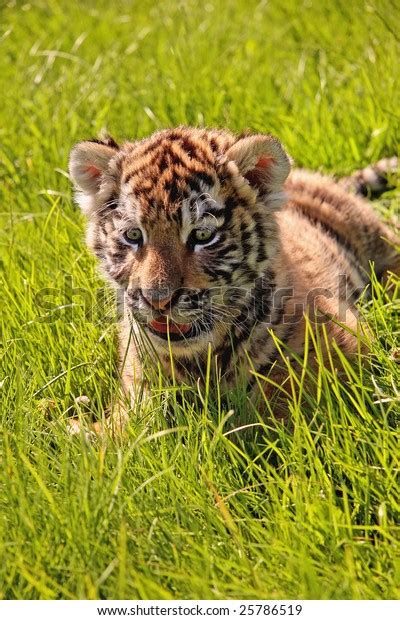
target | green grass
[{"x": 178, "y": 510}]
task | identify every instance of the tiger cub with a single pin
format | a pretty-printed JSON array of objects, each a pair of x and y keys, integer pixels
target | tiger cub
[{"x": 214, "y": 243}]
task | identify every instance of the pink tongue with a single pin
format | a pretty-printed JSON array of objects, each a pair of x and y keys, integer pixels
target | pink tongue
[{"x": 161, "y": 325}]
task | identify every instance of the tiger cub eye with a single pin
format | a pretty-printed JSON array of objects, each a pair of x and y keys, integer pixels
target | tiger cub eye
[
  {"x": 200, "y": 236},
  {"x": 134, "y": 235},
  {"x": 203, "y": 234}
]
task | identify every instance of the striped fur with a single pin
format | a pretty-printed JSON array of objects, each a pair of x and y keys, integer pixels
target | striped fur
[{"x": 283, "y": 246}]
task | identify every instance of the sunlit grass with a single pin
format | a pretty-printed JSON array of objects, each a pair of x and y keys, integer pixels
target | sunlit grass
[{"x": 191, "y": 504}]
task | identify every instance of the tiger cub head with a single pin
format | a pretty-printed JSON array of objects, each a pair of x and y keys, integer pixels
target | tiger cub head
[{"x": 184, "y": 222}]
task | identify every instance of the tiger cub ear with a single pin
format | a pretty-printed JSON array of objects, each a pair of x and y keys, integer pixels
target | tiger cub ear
[
  {"x": 262, "y": 160},
  {"x": 89, "y": 161}
]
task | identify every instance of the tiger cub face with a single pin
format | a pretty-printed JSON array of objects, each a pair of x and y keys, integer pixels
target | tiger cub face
[{"x": 183, "y": 222}]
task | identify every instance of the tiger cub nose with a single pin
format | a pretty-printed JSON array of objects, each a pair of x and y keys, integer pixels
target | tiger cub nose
[{"x": 159, "y": 299}]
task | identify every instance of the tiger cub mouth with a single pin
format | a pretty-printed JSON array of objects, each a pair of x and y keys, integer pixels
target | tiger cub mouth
[{"x": 165, "y": 328}]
